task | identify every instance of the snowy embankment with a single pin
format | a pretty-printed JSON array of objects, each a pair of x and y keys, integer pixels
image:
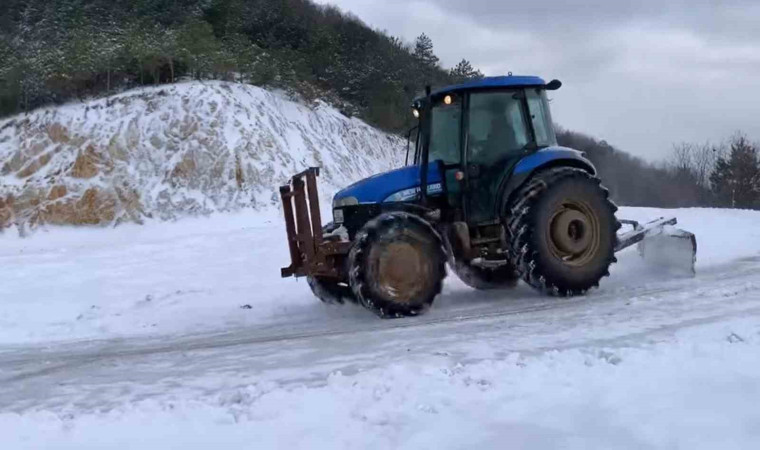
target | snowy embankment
[
  {"x": 171, "y": 151},
  {"x": 185, "y": 337}
]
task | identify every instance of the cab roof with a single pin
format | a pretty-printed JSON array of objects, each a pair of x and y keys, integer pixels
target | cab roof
[{"x": 492, "y": 82}]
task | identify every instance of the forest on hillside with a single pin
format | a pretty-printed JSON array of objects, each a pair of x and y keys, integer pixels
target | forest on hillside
[
  {"x": 58, "y": 50},
  {"x": 725, "y": 174},
  {"x": 54, "y": 51}
]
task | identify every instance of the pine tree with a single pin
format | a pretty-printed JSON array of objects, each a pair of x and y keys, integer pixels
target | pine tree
[
  {"x": 10, "y": 82},
  {"x": 427, "y": 70},
  {"x": 110, "y": 48},
  {"x": 245, "y": 56},
  {"x": 78, "y": 59},
  {"x": 736, "y": 178},
  {"x": 34, "y": 42},
  {"x": 198, "y": 47},
  {"x": 423, "y": 51},
  {"x": 141, "y": 43},
  {"x": 464, "y": 71},
  {"x": 169, "y": 50}
]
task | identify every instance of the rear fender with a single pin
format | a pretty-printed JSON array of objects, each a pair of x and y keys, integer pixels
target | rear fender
[{"x": 536, "y": 162}]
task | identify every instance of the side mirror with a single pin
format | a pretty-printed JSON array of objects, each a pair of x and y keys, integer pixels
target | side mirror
[{"x": 553, "y": 85}]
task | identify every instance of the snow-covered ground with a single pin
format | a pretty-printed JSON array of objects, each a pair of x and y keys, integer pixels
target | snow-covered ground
[{"x": 182, "y": 335}]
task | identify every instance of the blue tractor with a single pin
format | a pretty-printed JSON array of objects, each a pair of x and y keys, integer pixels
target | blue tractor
[{"x": 488, "y": 191}]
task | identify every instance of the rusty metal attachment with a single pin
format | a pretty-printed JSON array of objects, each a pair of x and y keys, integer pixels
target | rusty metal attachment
[{"x": 309, "y": 253}]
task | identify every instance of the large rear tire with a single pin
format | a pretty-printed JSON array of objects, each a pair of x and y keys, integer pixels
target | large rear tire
[
  {"x": 563, "y": 231},
  {"x": 397, "y": 265},
  {"x": 483, "y": 278}
]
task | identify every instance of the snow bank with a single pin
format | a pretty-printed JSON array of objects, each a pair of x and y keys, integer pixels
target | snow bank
[
  {"x": 169, "y": 151},
  {"x": 697, "y": 391}
]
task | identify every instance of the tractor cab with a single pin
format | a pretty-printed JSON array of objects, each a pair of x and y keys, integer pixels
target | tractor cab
[
  {"x": 476, "y": 132},
  {"x": 476, "y": 143}
]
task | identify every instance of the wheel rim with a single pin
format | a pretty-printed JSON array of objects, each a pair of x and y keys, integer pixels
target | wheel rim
[
  {"x": 402, "y": 271},
  {"x": 574, "y": 233}
]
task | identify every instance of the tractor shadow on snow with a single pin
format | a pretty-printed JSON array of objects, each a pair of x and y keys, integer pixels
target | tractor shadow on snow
[
  {"x": 455, "y": 298},
  {"x": 628, "y": 275}
]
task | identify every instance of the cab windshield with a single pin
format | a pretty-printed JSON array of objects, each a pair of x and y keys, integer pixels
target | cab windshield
[
  {"x": 498, "y": 128},
  {"x": 500, "y": 123}
]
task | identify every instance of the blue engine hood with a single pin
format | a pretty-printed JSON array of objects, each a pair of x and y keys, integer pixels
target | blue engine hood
[{"x": 378, "y": 188}]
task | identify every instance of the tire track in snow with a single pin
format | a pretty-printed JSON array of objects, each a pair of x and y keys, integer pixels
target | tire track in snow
[
  {"x": 108, "y": 373},
  {"x": 65, "y": 356}
]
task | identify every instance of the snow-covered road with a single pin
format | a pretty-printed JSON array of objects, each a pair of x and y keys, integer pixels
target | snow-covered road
[{"x": 183, "y": 336}]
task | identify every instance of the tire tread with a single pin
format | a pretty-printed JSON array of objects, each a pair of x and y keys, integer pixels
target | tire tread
[
  {"x": 522, "y": 256},
  {"x": 357, "y": 261}
]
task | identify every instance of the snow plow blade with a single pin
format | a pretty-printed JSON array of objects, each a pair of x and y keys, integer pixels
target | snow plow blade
[{"x": 661, "y": 244}]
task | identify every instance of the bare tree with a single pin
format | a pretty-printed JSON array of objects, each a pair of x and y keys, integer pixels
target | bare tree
[
  {"x": 682, "y": 158},
  {"x": 691, "y": 165}
]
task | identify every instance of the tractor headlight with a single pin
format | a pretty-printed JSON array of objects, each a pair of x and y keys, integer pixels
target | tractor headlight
[
  {"x": 340, "y": 203},
  {"x": 416, "y": 113},
  {"x": 338, "y": 216}
]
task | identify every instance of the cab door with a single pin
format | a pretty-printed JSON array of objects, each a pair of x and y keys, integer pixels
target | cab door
[
  {"x": 446, "y": 142},
  {"x": 497, "y": 136}
]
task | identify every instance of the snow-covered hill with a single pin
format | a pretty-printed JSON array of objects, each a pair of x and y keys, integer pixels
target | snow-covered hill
[{"x": 168, "y": 151}]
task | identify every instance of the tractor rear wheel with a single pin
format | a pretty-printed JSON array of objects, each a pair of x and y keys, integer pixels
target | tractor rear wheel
[
  {"x": 483, "y": 278},
  {"x": 563, "y": 231},
  {"x": 397, "y": 265}
]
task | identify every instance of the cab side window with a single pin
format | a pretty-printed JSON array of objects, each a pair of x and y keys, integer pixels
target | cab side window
[
  {"x": 540, "y": 117},
  {"x": 497, "y": 127}
]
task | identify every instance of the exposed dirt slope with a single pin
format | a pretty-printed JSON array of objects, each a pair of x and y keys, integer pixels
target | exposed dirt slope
[{"x": 164, "y": 152}]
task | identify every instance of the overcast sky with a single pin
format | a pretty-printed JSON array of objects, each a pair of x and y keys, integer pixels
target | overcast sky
[{"x": 640, "y": 74}]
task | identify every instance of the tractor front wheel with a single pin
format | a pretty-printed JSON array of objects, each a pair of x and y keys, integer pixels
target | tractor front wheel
[
  {"x": 563, "y": 231},
  {"x": 397, "y": 265}
]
